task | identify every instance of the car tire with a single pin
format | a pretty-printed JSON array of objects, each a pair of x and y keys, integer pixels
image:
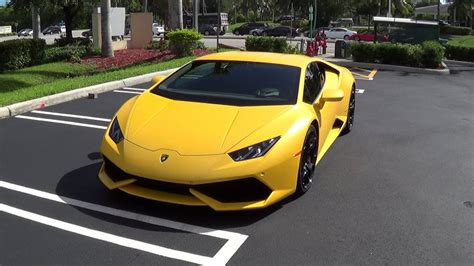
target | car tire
[
  {"x": 346, "y": 37},
  {"x": 254, "y": 33},
  {"x": 237, "y": 32},
  {"x": 206, "y": 33},
  {"x": 357, "y": 38},
  {"x": 264, "y": 34},
  {"x": 309, "y": 154},
  {"x": 350, "y": 113}
]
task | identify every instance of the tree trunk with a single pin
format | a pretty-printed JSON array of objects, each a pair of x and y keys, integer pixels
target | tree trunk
[
  {"x": 68, "y": 16},
  {"x": 36, "y": 21},
  {"x": 175, "y": 11},
  {"x": 107, "y": 50}
]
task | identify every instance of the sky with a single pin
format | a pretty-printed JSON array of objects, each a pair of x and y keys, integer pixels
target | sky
[{"x": 2, "y": 2}]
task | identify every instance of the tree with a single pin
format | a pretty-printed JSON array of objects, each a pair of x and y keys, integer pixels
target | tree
[
  {"x": 462, "y": 9},
  {"x": 107, "y": 49},
  {"x": 70, "y": 9},
  {"x": 34, "y": 6}
]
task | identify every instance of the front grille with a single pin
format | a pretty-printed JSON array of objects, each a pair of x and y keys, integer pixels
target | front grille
[{"x": 241, "y": 190}]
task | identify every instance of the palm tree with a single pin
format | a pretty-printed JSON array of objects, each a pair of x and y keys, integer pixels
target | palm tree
[{"x": 107, "y": 50}]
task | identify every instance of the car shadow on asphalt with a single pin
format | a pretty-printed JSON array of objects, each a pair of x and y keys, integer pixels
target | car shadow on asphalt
[{"x": 83, "y": 184}]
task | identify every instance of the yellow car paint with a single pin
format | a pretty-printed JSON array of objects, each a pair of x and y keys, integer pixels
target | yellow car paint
[{"x": 154, "y": 126}]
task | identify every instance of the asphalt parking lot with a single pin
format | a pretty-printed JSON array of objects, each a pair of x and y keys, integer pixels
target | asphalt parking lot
[{"x": 397, "y": 190}]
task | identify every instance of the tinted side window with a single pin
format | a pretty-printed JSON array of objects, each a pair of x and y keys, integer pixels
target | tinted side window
[{"x": 312, "y": 83}]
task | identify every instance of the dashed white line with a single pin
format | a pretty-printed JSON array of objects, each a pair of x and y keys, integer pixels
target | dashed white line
[
  {"x": 235, "y": 240},
  {"x": 114, "y": 239},
  {"x": 130, "y": 92},
  {"x": 60, "y": 121},
  {"x": 71, "y": 115}
]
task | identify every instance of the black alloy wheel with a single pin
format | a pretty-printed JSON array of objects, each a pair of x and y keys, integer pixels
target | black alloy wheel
[
  {"x": 350, "y": 113},
  {"x": 307, "y": 161}
]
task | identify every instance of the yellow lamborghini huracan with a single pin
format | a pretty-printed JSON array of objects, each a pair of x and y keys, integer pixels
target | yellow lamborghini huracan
[{"x": 233, "y": 130}]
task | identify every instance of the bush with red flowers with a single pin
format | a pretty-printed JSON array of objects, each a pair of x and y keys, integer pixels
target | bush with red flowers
[{"x": 128, "y": 57}]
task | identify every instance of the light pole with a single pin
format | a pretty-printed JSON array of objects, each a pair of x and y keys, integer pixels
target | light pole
[
  {"x": 437, "y": 14},
  {"x": 389, "y": 13},
  {"x": 218, "y": 22}
]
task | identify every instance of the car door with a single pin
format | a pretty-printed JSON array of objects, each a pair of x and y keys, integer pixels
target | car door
[
  {"x": 331, "y": 33},
  {"x": 325, "y": 110}
]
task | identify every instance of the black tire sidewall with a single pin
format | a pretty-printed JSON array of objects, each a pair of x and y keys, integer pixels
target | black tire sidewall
[{"x": 299, "y": 182}]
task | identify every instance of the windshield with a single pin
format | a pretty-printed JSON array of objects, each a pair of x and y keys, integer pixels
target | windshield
[{"x": 233, "y": 83}]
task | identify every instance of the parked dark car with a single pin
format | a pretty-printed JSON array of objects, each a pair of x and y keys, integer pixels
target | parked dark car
[
  {"x": 52, "y": 30},
  {"x": 247, "y": 27},
  {"x": 87, "y": 33},
  {"x": 206, "y": 29},
  {"x": 280, "y": 31}
]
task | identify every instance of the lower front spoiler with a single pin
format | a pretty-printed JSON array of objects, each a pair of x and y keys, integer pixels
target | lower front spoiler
[{"x": 194, "y": 198}]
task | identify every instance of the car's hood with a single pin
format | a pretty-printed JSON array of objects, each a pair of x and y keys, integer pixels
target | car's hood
[{"x": 192, "y": 128}]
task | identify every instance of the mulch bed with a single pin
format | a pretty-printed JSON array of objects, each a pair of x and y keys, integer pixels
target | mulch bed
[{"x": 128, "y": 57}]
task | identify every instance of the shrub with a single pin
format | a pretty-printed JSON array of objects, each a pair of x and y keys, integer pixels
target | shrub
[
  {"x": 453, "y": 30},
  {"x": 461, "y": 53},
  {"x": 160, "y": 45},
  {"x": 20, "y": 53},
  {"x": 429, "y": 54},
  {"x": 71, "y": 53},
  {"x": 183, "y": 42},
  {"x": 267, "y": 44},
  {"x": 432, "y": 54},
  {"x": 75, "y": 41}
]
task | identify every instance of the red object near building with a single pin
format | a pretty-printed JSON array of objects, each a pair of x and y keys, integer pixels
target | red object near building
[{"x": 369, "y": 37}]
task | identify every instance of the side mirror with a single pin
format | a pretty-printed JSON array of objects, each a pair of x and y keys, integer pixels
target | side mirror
[
  {"x": 158, "y": 79},
  {"x": 332, "y": 95}
]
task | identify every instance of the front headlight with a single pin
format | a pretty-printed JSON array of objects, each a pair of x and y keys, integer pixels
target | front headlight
[
  {"x": 115, "y": 133},
  {"x": 254, "y": 151}
]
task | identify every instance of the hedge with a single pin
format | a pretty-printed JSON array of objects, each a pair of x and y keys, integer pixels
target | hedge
[
  {"x": 75, "y": 41},
  {"x": 429, "y": 54},
  {"x": 20, "y": 53},
  {"x": 183, "y": 42},
  {"x": 452, "y": 30},
  {"x": 268, "y": 44},
  {"x": 70, "y": 53},
  {"x": 461, "y": 53}
]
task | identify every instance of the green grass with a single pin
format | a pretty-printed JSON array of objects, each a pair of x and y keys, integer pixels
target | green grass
[
  {"x": 43, "y": 80},
  {"x": 467, "y": 41}
]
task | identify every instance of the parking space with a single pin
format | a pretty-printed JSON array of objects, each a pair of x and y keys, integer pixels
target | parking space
[{"x": 391, "y": 191}]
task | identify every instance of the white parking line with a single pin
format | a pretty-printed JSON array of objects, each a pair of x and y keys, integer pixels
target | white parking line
[
  {"x": 60, "y": 121},
  {"x": 114, "y": 239},
  {"x": 360, "y": 91},
  {"x": 235, "y": 240},
  {"x": 71, "y": 115},
  {"x": 130, "y": 92},
  {"x": 133, "y": 89}
]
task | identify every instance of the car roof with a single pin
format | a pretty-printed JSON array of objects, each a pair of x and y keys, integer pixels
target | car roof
[{"x": 261, "y": 57}]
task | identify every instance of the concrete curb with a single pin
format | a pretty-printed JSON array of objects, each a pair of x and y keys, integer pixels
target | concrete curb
[
  {"x": 464, "y": 63},
  {"x": 26, "y": 106},
  {"x": 349, "y": 63}
]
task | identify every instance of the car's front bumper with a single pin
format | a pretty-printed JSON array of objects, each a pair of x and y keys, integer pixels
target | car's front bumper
[{"x": 213, "y": 180}]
